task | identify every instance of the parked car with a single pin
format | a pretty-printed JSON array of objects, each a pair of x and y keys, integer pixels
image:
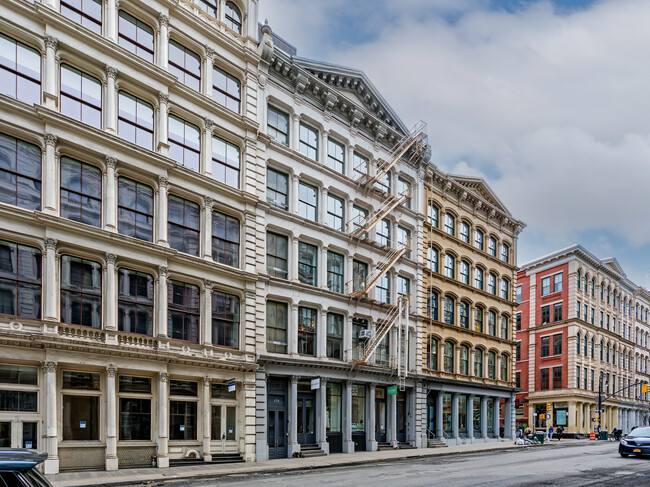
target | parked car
[
  {"x": 637, "y": 442},
  {"x": 17, "y": 468}
]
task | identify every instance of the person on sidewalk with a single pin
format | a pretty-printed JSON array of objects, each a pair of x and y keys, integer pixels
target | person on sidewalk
[
  {"x": 558, "y": 432},
  {"x": 550, "y": 433}
]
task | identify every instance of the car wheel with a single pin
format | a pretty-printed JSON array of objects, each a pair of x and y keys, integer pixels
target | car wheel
[{"x": 624, "y": 455}]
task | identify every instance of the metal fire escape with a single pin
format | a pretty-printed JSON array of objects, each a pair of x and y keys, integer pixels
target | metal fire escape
[{"x": 407, "y": 149}]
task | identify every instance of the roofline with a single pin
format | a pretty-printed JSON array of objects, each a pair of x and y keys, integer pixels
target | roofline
[{"x": 494, "y": 195}]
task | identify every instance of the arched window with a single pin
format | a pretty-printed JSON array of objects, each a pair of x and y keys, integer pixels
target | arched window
[
  {"x": 478, "y": 278},
  {"x": 450, "y": 224},
  {"x": 450, "y": 265},
  {"x": 505, "y": 327},
  {"x": 233, "y": 17},
  {"x": 593, "y": 348},
  {"x": 449, "y": 310},
  {"x": 432, "y": 214},
  {"x": 593, "y": 287},
  {"x": 492, "y": 246},
  {"x": 464, "y": 360},
  {"x": 607, "y": 356},
  {"x": 464, "y": 314},
  {"x": 478, "y": 362},
  {"x": 492, "y": 284},
  {"x": 585, "y": 346},
  {"x": 491, "y": 365},
  {"x": 432, "y": 353},
  {"x": 432, "y": 259},
  {"x": 579, "y": 279},
  {"x": 432, "y": 305},
  {"x": 464, "y": 232},
  {"x": 586, "y": 281},
  {"x": 478, "y": 239},
  {"x": 504, "y": 367},
  {"x": 478, "y": 319},
  {"x": 448, "y": 359},
  {"x": 492, "y": 323},
  {"x": 602, "y": 290},
  {"x": 505, "y": 289},
  {"x": 578, "y": 343},
  {"x": 505, "y": 253},
  {"x": 614, "y": 355},
  {"x": 463, "y": 271}
]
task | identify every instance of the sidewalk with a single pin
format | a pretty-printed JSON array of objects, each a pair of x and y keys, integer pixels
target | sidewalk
[{"x": 141, "y": 475}]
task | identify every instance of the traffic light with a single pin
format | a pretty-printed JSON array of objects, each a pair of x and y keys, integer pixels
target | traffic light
[
  {"x": 645, "y": 388},
  {"x": 548, "y": 407},
  {"x": 516, "y": 403}
]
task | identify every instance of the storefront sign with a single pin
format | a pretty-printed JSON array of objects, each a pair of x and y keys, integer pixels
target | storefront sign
[
  {"x": 182, "y": 426},
  {"x": 380, "y": 393},
  {"x": 315, "y": 384},
  {"x": 391, "y": 390},
  {"x": 28, "y": 444},
  {"x": 82, "y": 424},
  {"x": 231, "y": 386}
]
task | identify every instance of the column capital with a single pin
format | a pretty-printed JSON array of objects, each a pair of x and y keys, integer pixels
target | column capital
[
  {"x": 49, "y": 367},
  {"x": 50, "y": 41},
  {"x": 207, "y": 202},
  {"x": 163, "y": 181},
  {"x": 206, "y": 380},
  {"x": 209, "y": 124},
  {"x": 207, "y": 285},
  {"x": 164, "y": 20},
  {"x": 209, "y": 52},
  {"x": 50, "y": 244},
  {"x": 295, "y": 379},
  {"x": 111, "y": 259},
  {"x": 50, "y": 139},
  {"x": 163, "y": 376},
  {"x": 323, "y": 381},
  {"x": 162, "y": 271},
  {"x": 111, "y": 72},
  {"x": 111, "y": 162},
  {"x": 111, "y": 370},
  {"x": 163, "y": 97}
]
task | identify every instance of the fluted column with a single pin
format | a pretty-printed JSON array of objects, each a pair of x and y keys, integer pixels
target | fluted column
[
  {"x": 50, "y": 86},
  {"x": 207, "y": 455},
  {"x": 294, "y": 447},
  {"x": 50, "y": 282},
  {"x": 207, "y": 75},
  {"x": 163, "y": 41},
  {"x": 348, "y": 444},
  {"x": 163, "y": 421},
  {"x": 323, "y": 147},
  {"x": 163, "y": 137},
  {"x": 321, "y": 416},
  {"x": 111, "y": 292},
  {"x": 111, "y": 98},
  {"x": 111, "y": 20},
  {"x": 162, "y": 211},
  {"x": 110, "y": 201},
  {"x": 162, "y": 302},
  {"x": 295, "y": 131},
  {"x": 51, "y": 418},
  {"x": 50, "y": 179},
  {"x": 111, "y": 419},
  {"x": 206, "y": 152},
  {"x": 206, "y": 314},
  {"x": 207, "y": 228}
]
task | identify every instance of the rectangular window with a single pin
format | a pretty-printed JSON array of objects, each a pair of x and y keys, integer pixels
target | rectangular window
[
  {"x": 81, "y": 421},
  {"x": 404, "y": 240},
  {"x": 135, "y": 419},
  {"x": 463, "y": 270},
  {"x": 359, "y": 275},
  {"x": 20, "y": 171},
  {"x": 333, "y": 408},
  {"x": 277, "y": 255},
  {"x": 226, "y": 162},
  {"x": 403, "y": 286},
  {"x": 557, "y": 283},
  {"x": 335, "y": 267},
  {"x": 308, "y": 202},
  {"x": 307, "y": 263},
  {"x": 518, "y": 322},
  {"x": 557, "y": 377},
  {"x": 505, "y": 289},
  {"x": 383, "y": 289},
  {"x": 135, "y": 209},
  {"x": 81, "y": 96},
  {"x": 557, "y": 344},
  {"x": 593, "y": 313},
  {"x": 278, "y": 126},
  {"x": 450, "y": 265},
  {"x": 404, "y": 189},
  {"x": 579, "y": 308},
  {"x": 183, "y": 313},
  {"x": 478, "y": 240},
  {"x": 359, "y": 219},
  {"x": 584, "y": 370},
  {"x": 360, "y": 166},
  {"x": 518, "y": 295},
  {"x": 87, "y": 13},
  {"x": 308, "y": 141},
  {"x": 478, "y": 278},
  {"x": 185, "y": 65},
  {"x": 225, "y": 239},
  {"x": 81, "y": 192},
  {"x": 184, "y": 143},
  {"x": 277, "y": 318},
  {"x": 464, "y": 232},
  {"x": 504, "y": 327},
  {"x": 546, "y": 344},
  {"x": 226, "y": 89},
  {"x": 546, "y": 286},
  {"x": 544, "y": 379},
  {"x": 358, "y": 415},
  {"x": 358, "y": 324},
  {"x": 225, "y": 320},
  {"x": 183, "y": 227},
  {"x": 384, "y": 183},
  {"x": 336, "y": 156},
  {"x": 546, "y": 314},
  {"x": 135, "y": 302},
  {"x": 557, "y": 312},
  {"x": 335, "y": 213},
  {"x": 135, "y": 36},
  {"x": 81, "y": 291},
  {"x": 335, "y": 336},
  {"x": 182, "y": 420},
  {"x": 307, "y": 331},
  {"x": 20, "y": 71},
  {"x": 277, "y": 189},
  {"x": 383, "y": 233},
  {"x": 20, "y": 280},
  {"x": 505, "y": 253}
]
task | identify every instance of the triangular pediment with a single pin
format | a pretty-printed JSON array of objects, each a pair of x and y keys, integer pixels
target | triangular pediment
[
  {"x": 613, "y": 264},
  {"x": 480, "y": 188},
  {"x": 356, "y": 86}
]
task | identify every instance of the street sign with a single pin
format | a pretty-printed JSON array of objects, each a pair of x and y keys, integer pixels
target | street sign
[
  {"x": 391, "y": 390},
  {"x": 542, "y": 416},
  {"x": 315, "y": 384}
]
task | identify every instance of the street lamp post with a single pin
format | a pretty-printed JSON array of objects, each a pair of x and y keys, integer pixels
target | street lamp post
[{"x": 600, "y": 400}]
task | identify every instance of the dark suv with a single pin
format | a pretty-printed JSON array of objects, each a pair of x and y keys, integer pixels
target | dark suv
[{"x": 17, "y": 468}]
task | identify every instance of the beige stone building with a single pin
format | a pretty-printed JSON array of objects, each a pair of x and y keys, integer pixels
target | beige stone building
[{"x": 469, "y": 247}]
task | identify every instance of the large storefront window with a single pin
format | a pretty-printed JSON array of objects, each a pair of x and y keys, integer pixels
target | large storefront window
[
  {"x": 182, "y": 410},
  {"x": 135, "y": 408},
  {"x": 81, "y": 394},
  {"x": 462, "y": 415},
  {"x": 13, "y": 396},
  {"x": 358, "y": 418},
  {"x": 490, "y": 416},
  {"x": 333, "y": 399},
  {"x": 446, "y": 413},
  {"x": 476, "y": 412}
]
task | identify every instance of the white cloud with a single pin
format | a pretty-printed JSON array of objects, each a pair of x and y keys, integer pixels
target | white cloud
[{"x": 551, "y": 106}]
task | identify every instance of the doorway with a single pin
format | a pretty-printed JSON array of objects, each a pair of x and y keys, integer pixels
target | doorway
[
  {"x": 380, "y": 414},
  {"x": 306, "y": 418},
  {"x": 401, "y": 416},
  {"x": 276, "y": 419}
]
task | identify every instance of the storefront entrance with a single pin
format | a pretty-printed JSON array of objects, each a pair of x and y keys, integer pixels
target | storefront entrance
[
  {"x": 380, "y": 414},
  {"x": 431, "y": 415},
  {"x": 306, "y": 418},
  {"x": 277, "y": 419},
  {"x": 401, "y": 416}
]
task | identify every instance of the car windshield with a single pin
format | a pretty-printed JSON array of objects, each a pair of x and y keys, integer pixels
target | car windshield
[
  {"x": 35, "y": 478},
  {"x": 639, "y": 433}
]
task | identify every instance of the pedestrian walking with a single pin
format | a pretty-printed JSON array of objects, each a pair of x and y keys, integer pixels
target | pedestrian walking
[
  {"x": 550, "y": 432},
  {"x": 558, "y": 432}
]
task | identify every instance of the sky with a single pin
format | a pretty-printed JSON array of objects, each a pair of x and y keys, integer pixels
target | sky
[{"x": 547, "y": 100}]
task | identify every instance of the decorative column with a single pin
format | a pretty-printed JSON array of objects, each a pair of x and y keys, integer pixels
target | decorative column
[
  {"x": 162, "y": 301},
  {"x": 111, "y": 294},
  {"x": 391, "y": 406},
  {"x": 163, "y": 138},
  {"x": 110, "y": 202},
  {"x": 440, "y": 432},
  {"x": 51, "y": 435},
  {"x": 111, "y": 419},
  {"x": 371, "y": 438},
  {"x": 206, "y": 155},
  {"x": 111, "y": 19},
  {"x": 163, "y": 421},
  {"x": 50, "y": 282},
  {"x": 162, "y": 211},
  {"x": 207, "y": 455},
  {"x": 163, "y": 41},
  {"x": 293, "y": 273},
  {"x": 497, "y": 412},
  {"x": 484, "y": 425},
  {"x": 111, "y": 98},
  {"x": 509, "y": 419},
  {"x": 322, "y": 208},
  {"x": 321, "y": 335},
  {"x": 321, "y": 417},
  {"x": 207, "y": 229},
  {"x": 294, "y": 446},
  {"x": 323, "y": 147},
  {"x": 469, "y": 414},
  {"x": 348, "y": 444},
  {"x": 50, "y": 88},
  {"x": 295, "y": 131},
  {"x": 454, "y": 417},
  {"x": 206, "y": 314},
  {"x": 322, "y": 268},
  {"x": 50, "y": 186},
  {"x": 349, "y": 162},
  {"x": 293, "y": 193},
  {"x": 292, "y": 331},
  {"x": 207, "y": 74},
  {"x": 347, "y": 339}
]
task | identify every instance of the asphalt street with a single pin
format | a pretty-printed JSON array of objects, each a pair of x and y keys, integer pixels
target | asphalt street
[{"x": 571, "y": 464}]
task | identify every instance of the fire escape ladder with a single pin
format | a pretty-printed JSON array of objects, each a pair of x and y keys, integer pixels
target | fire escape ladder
[
  {"x": 383, "y": 327},
  {"x": 361, "y": 225},
  {"x": 361, "y": 287}
]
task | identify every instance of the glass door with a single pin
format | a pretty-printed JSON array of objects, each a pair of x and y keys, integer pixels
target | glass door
[
  {"x": 380, "y": 420},
  {"x": 306, "y": 419}
]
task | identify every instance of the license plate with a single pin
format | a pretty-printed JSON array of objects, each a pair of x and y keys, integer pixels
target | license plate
[{"x": 636, "y": 450}]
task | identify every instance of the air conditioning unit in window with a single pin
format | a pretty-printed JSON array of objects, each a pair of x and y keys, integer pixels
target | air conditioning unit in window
[{"x": 365, "y": 334}]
